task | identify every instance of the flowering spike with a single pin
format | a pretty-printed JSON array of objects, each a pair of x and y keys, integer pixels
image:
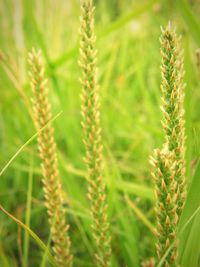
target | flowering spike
[
  {"x": 166, "y": 201},
  {"x": 92, "y": 135},
  {"x": 169, "y": 163},
  {"x": 47, "y": 151},
  {"x": 173, "y": 107}
]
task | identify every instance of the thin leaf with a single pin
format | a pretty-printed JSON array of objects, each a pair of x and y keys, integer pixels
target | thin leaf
[
  {"x": 32, "y": 234},
  {"x": 195, "y": 215},
  {"x": 141, "y": 216},
  {"x": 28, "y": 215},
  {"x": 189, "y": 238},
  {"x": 25, "y": 144},
  {"x": 136, "y": 189}
]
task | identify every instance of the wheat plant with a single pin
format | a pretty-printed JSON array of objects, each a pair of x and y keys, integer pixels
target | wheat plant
[
  {"x": 47, "y": 151},
  {"x": 169, "y": 162},
  {"x": 92, "y": 135}
]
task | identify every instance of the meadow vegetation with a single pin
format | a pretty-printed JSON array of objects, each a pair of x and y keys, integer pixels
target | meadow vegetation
[{"x": 115, "y": 126}]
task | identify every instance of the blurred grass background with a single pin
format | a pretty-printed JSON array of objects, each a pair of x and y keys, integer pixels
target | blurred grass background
[{"x": 128, "y": 43}]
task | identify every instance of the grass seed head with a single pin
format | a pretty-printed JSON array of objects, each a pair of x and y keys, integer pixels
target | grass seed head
[
  {"x": 47, "y": 150},
  {"x": 90, "y": 111}
]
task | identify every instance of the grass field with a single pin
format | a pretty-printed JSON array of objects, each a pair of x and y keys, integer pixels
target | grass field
[{"x": 128, "y": 45}]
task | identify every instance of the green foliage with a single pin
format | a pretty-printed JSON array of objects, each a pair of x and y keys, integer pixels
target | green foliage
[
  {"x": 188, "y": 230},
  {"x": 129, "y": 76}
]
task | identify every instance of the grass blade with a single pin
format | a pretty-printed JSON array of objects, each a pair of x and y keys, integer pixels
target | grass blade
[
  {"x": 194, "y": 215},
  {"x": 32, "y": 234},
  {"x": 28, "y": 215},
  {"x": 141, "y": 215},
  {"x": 136, "y": 189},
  {"x": 45, "y": 255},
  {"x": 189, "y": 238},
  {"x": 25, "y": 144}
]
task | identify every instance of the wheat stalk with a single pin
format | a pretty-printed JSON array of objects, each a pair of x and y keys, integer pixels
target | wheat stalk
[
  {"x": 47, "y": 150},
  {"x": 92, "y": 135}
]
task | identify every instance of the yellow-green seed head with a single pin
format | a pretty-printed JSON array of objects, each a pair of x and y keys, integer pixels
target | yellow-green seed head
[
  {"x": 47, "y": 150},
  {"x": 92, "y": 135},
  {"x": 173, "y": 105}
]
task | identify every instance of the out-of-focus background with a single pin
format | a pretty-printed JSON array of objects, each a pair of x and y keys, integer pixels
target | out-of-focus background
[{"x": 129, "y": 75}]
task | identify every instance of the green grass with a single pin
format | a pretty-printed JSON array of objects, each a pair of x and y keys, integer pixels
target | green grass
[{"x": 129, "y": 76}]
